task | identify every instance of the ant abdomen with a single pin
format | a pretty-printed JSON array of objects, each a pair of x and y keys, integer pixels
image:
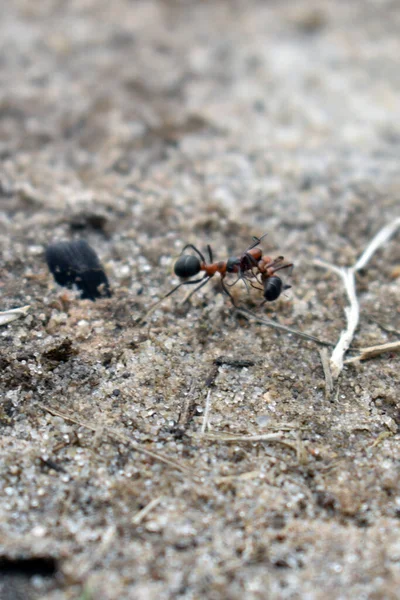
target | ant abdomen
[
  {"x": 273, "y": 287},
  {"x": 187, "y": 265}
]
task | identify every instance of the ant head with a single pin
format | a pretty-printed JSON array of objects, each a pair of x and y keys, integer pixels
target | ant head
[
  {"x": 273, "y": 287},
  {"x": 187, "y": 265},
  {"x": 232, "y": 264}
]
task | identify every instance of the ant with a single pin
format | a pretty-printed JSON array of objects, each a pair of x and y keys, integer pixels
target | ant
[
  {"x": 249, "y": 266},
  {"x": 266, "y": 267}
]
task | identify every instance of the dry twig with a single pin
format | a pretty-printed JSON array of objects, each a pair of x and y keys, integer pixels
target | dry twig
[
  {"x": 206, "y": 413},
  {"x": 385, "y": 327},
  {"x": 301, "y": 452},
  {"x": 269, "y": 323},
  {"x": 373, "y": 351},
  {"x": 384, "y": 435},
  {"x": 8, "y": 316},
  {"x": 327, "y": 372},
  {"x": 141, "y": 514},
  {"x": 352, "y": 311},
  {"x": 119, "y": 437},
  {"x": 189, "y": 407},
  {"x": 267, "y": 437}
]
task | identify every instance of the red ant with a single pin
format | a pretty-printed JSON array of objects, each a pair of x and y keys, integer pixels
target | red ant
[
  {"x": 265, "y": 266},
  {"x": 250, "y": 265}
]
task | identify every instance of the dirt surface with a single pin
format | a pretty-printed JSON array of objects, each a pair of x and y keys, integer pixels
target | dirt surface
[{"x": 141, "y": 126}]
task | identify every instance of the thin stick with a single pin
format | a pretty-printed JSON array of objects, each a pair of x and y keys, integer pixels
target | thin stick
[
  {"x": 373, "y": 351},
  {"x": 141, "y": 514},
  {"x": 188, "y": 410},
  {"x": 182, "y": 283},
  {"x": 269, "y": 323},
  {"x": 385, "y": 327},
  {"x": 301, "y": 452},
  {"x": 352, "y": 311},
  {"x": 267, "y": 437},
  {"x": 381, "y": 437},
  {"x": 206, "y": 413},
  {"x": 328, "y": 266},
  {"x": 244, "y": 476},
  {"x": 8, "y": 316},
  {"x": 327, "y": 372},
  {"x": 119, "y": 437}
]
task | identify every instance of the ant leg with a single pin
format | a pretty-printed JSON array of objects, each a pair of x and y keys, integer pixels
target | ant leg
[
  {"x": 203, "y": 282},
  {"x": 193, "y": 281},
  {"x": 196, "y": 250},
  {"x": 251, "y": 268},
  {"x": 272, "y": 262},
  {"x": 257, "y": 277},
  {"x": 253, "y": 245},
  {"x": 251, "y": 258},
  {"x": 227, "y": 292},
  {"x": 286, "y": 287},
  {"x": 254, "y": 265},
  {"x": 256, "y": 287},
  {"x": 244, "y": 279},
  {"x": 262, "y": 237},
  {"x": 210, "y": 253},
  {"x": 257, "y": 241},
  {"x": 282, "y": 267},
  {"x": 278, "y": 260},
  {"x": 151, "y": 309},
  {"x": 239, "y": 277}
]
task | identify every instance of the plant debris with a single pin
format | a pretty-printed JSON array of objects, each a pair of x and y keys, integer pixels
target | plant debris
[
  {"x": 373, "y": 351},
  {"x": 8, "y": 316}
]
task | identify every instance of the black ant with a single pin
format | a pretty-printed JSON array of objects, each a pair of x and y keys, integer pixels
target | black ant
[{"x": 249, "y": 266}]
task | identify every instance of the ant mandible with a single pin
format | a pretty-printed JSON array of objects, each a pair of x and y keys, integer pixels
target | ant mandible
[{"x": 249, "y": 266}]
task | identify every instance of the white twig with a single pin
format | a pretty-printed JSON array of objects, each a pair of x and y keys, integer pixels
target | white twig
[
  {"x": 206, "y": 413},
  {"x": 381, "y": 237},
  {"x": 11, "y": 315},
  {"x": 328, "y": 266},
  {"x": 352, "y": 311}
]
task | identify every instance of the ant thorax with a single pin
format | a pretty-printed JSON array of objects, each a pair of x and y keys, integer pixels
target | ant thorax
[{"x": 233, "y": 264}]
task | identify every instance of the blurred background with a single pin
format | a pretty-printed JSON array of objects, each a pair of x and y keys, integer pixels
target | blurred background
[
  {"x": 183, "y": 116},
  {"x": 140, "y": 126}
]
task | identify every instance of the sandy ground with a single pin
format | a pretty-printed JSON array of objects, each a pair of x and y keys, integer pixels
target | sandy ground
[{"x": 141, "y": 126}]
